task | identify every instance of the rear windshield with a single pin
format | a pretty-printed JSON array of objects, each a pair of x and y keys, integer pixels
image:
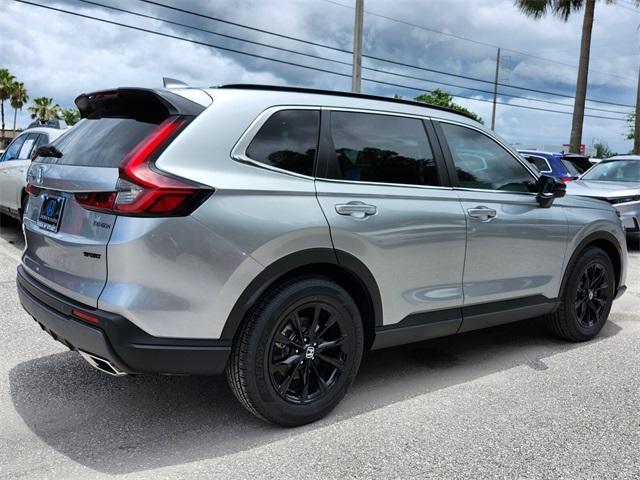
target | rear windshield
[
  {"x": 99, "y": 142},
  {"x": 571, "y": 168}
]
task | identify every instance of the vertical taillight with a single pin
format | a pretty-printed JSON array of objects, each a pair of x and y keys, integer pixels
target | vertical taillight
[{"x": 142, "y": 190}]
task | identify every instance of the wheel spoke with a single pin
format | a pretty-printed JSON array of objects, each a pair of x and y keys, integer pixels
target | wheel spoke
[
  {"x": 305, "y": 383},
  {"x": 334, "y": 362},
  {"x": 283, "y": 339},
  {"x": 314, "y": 323},
  {"x": 286, "y": 362},
  {"x": 296, "y": 323},
  {"x": 321, "y": 383},
  {"x": 331, "y": 344},
  {"x": 284, "y": 386},
  {"x": 330, "y": 322}
]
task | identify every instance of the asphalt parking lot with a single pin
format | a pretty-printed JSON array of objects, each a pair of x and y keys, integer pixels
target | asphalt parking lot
[{"x": 509, "y": 402}]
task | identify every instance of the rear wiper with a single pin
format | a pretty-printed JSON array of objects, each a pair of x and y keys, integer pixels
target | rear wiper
[{"x": 47, "y": 151}]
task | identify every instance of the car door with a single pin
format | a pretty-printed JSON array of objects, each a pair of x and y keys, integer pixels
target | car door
[
  {"x": 386, "y": 198},
  {"x": 16, "y": 171},
  {"x": 9, "y": 157},
  {"x": 515, "y": 249}
]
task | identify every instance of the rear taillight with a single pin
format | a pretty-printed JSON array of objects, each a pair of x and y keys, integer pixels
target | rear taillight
[
  {"x": 566, "y": 179},
  {"x": 141, "y": 189}
]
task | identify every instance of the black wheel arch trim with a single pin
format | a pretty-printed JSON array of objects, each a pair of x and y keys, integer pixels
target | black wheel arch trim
[
  {"x": 292, "y": 262},
  {"x": 589, "y": 239}
]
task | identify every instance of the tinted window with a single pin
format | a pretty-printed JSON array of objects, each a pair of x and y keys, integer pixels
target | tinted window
[
  {"x": 382, "y": 148},
  {"x": 539, "y": 162},
  {"x": 571, "y": 168},
  {"x": 13, "y": 149},
  {"x": 288, "y": 140},
  {"x": 482, "y": 163},
  {"x": 27, "y": 146},
  {"x": 99, "y": 142},
  {"x": 43, "y": 139}
]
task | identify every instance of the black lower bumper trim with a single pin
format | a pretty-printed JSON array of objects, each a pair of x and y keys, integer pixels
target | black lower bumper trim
[{"x": 117, "y": 339}]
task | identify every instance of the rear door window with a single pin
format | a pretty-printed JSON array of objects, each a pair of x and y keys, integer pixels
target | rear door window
[
  {"x": 13, "y": 149},
  {"x": 539, "y": 162},
  {"x": 27, "y": 146},
  {"x": 288, "y": 140},
  {"x": 101, "y": 142},
  {"x": 383, "y": 149}
]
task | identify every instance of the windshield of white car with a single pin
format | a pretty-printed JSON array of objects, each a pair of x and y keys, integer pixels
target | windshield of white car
[{"x": 614, "y": 171}]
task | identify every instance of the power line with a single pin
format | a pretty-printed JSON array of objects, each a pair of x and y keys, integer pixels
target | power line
[
  {"x": 387, "y": 72},
  {"x": 466, "y": 39},
  {"x": 197, "y": 42},
  {"x": 380, "y": 59}
]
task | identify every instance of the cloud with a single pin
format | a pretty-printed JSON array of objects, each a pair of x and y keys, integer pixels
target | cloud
[{"x": 61, "y": 56}]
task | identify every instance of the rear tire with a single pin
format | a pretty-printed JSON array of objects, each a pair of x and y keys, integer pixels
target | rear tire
[
  {"x": 587, "y": 297},
  {"x": 298, "y": 352}
]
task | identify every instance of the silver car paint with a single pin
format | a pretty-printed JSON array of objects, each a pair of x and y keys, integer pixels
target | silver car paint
[
  {"x": 180, "y": 277},
  {"x": 629, "y": 211}
]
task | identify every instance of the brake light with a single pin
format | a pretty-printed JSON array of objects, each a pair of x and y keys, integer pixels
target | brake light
[
  {"x": 33, "y": 190},
  {"x": 566, "y": 179},
  {"x": 141, "y": 190}
]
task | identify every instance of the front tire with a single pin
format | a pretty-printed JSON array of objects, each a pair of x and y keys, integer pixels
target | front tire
[
  {"x": 298, "y": 352},
  {"x": 586, "y": 300}
]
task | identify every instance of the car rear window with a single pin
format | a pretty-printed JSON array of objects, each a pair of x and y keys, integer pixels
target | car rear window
[
  {"x": 570, "y": 167},
  {"x": 288, "y": 140},
  {"x": 99, "y": 142}
]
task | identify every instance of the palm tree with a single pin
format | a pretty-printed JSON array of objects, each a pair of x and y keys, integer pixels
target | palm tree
[
  {"x": 563, "y": 9},
  {"x": 44, "y": 109},
  {"x": 19, "y": 97},
  {"x": 70, "y": 116},
  {"x": 6, "y": 84}
]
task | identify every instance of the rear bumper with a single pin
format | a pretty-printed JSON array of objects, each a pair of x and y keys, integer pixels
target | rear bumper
[{"x": 116, "y": 339}]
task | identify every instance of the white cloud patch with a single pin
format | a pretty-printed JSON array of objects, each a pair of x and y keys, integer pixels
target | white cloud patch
[{"x": 60, "y": 56}]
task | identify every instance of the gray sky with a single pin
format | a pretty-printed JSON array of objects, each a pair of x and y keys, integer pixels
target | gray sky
[{"x": 60, "y": 56}]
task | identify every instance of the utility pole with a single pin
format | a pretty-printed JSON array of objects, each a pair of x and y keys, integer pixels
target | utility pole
[
  {"x": 357, "y": 47},
  {"x": 495, "y": 91},
  {"x": 636, "y": 130}
]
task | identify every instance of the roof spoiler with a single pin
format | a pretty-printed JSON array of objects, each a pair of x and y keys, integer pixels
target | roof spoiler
[{"x": 143, "y": 104}]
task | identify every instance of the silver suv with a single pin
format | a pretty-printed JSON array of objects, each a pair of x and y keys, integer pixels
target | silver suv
[{"x": 275, "y": 234}]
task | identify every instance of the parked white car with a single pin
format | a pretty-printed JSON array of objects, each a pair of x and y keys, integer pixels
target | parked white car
[{"x": 14, "y": 163}]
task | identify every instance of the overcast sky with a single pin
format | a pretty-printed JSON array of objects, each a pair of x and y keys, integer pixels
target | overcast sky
[{"x": 59, "y": 55}]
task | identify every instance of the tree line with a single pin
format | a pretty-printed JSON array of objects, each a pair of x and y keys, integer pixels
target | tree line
[{"x": 42, "y": 109}]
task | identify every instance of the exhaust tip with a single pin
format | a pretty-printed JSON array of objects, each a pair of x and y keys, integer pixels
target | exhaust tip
[{"x": 101, "y": 364}]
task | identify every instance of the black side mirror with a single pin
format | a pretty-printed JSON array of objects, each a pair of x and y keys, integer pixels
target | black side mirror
[{"x": 548, "y": 189}]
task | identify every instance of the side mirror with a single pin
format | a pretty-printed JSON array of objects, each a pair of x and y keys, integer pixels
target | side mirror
[{"x": 548, "y": 189}]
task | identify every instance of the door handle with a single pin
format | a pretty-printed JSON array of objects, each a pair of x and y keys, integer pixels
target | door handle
[
  {"x": 482, "y": 213},
  {"x": 356, "y": 209}
]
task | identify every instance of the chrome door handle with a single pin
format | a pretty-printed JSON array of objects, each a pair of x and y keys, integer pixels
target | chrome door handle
[
  {"x": 356, "y": 209},
  {"x": 482, "y": 213}
]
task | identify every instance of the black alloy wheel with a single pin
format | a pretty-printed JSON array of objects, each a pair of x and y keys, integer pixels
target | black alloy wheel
[
  {"x": 592, "y": 295},
  {"x": 308, "y": 352},
  {"x": 298, "y": 351}
]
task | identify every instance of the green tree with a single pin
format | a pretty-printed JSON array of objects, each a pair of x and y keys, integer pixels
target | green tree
[
  {"x": 632, "y": 123},
  {"x": 43, "y": 109},
  {"x": 71, "y": 116},
  {"x": 603, "y": 150},
  {"x": 444, "y": 99},
  {"x": 6, "y": 85},
  {"x": 19, "y": 97}
]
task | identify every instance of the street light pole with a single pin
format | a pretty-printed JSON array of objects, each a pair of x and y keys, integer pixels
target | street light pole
[
  {"x": 357, "y": 47},
  {"x": 636, "y": 130}
]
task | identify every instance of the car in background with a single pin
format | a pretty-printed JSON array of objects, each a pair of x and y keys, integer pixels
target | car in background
[
  {"x": 14, "y": 163},
  {"x": 565, "y": 167},
  {"x": 617, "y": 181}
]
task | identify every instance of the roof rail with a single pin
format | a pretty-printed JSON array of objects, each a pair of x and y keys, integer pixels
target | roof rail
[{"x": 282, "y": 88}]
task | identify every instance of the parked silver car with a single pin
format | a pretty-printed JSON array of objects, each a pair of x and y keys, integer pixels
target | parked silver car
[
  {"x": 277, "y": 233},
  {"x": 617, "y": 181}
]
